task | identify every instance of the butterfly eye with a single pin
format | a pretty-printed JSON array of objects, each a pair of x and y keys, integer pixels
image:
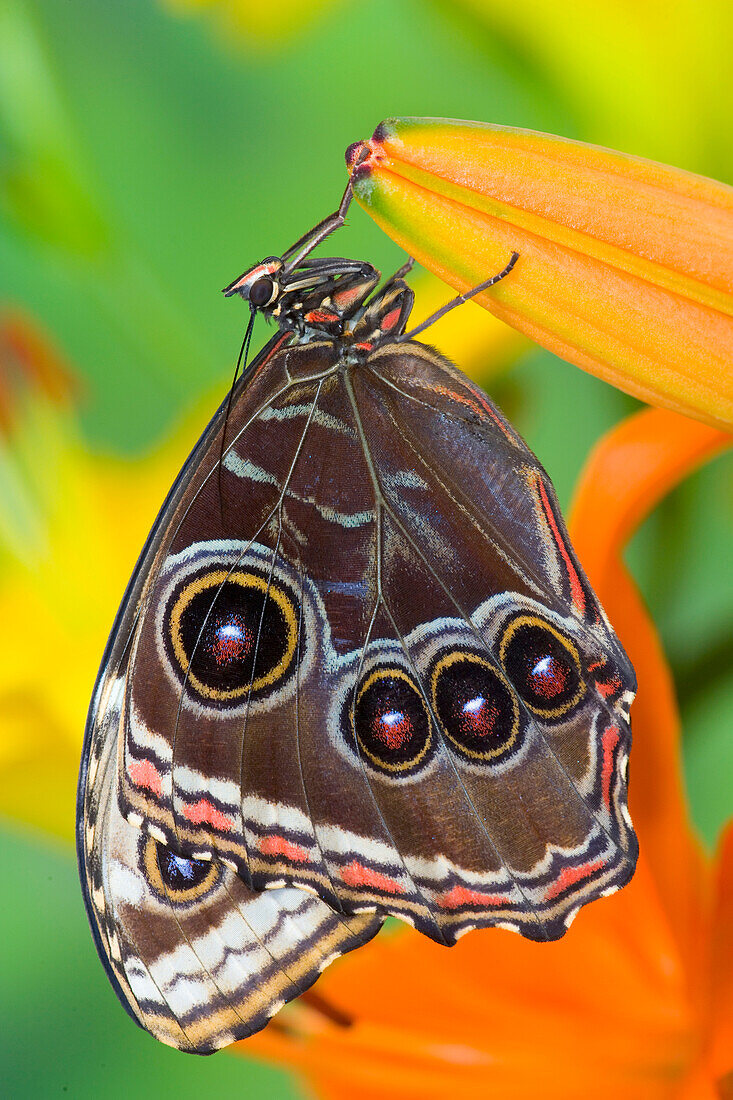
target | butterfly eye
[
  {"x": 233, "y": 634},
  {"x": 476, "y": 709},
  {"x": 177, "y": 878},
  {"x": 543, "y": 665},
  {"x": 391, "y": 721},
  {"x": 262, "y": 292}
]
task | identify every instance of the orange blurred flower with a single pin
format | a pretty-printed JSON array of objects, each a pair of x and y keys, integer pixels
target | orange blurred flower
[
  {"x": 626, "y": 266},
  {"x": 27, "y": 357},
  {"x": 637, "y": 1001}
]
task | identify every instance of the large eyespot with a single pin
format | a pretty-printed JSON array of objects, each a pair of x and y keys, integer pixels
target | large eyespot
[
  {"x": 233, "y": 634},
  {"x": 391, "y": 722},
  {"x": 543, "y": 665},
  {"x": 174, "y": 877},
  {"x": 476, "y": 708},
  {"x": 262, "y": 292}
]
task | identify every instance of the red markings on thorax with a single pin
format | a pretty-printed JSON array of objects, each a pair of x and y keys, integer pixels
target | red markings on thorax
[
  {"x": 611, "y": 738},
  {"x": 570, "y": 875},
  {"x": 356, "y": 874},
  {"x": 279, "y": 846},
  {"x": 459, "y": 896},
  {"x": 390, "y": 319},
  {"x": 143, "y": 773},
  {"x": 343, "y": 298},
  {"x": 204, "y": 812},
  {"x": 320, "y": 317}
]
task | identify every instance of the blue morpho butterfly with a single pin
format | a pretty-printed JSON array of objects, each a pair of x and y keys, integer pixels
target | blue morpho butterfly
[{"x": 358, "y": 671}]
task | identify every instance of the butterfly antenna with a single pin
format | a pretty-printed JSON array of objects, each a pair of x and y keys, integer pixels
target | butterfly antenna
[{"x": 241, "y": 363}]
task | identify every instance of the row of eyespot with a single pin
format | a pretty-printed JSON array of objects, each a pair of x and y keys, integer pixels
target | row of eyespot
[
  {"x": 234, "y": 634},
  {"x": 476, "y": 704}
]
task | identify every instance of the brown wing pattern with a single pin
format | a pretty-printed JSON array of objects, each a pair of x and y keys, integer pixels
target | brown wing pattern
[{"x": 368, "y": 662}]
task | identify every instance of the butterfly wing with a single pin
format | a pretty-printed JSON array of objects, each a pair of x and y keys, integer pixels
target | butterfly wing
[
  {"x": 197, "y": 958},
  {"x": 368, "y": 662}
]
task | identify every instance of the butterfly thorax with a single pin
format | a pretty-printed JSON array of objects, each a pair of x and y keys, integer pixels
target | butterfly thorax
[{"x": 329, "y": 299}]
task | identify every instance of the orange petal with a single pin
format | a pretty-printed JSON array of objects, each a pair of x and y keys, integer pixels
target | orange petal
[
  {"x": 607, "y": 1004},
  {"x": 28, "y": 358},
  {"x": 626, "y": 475},
  {"x": 626, "y": 266},
  {"x": 721, "y": 1053},
  {"x": 628, "y": 472}
]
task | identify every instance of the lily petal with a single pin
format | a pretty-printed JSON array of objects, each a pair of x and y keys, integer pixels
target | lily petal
[
  {"x": 625, "y": 266},
  {"x": 626, "y": 475},
  {"x": 721, "y": 1048}
]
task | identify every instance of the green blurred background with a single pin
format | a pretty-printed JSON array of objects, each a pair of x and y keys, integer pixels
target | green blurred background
[{"x": 148, "y": 153}]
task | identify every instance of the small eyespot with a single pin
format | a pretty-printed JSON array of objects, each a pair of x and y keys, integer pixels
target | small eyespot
[
  {"x": 543, "y": 665},
  {"x": 232, "y": 634},
  {"x": 177, "y": 878},
  {"x": 263, "y": 292},
  {"x": 390, "y": 721},
  {"x": 476, "y": 708}
]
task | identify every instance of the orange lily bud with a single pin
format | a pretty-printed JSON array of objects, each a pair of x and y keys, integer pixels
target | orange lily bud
[{"x": 625, "y": 266}]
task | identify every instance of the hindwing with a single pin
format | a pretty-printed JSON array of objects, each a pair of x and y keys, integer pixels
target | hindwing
[{"x": 196, "y": 957}]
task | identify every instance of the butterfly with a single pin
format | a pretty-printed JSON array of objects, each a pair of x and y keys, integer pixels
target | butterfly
[{"x": 358, "y": 672}]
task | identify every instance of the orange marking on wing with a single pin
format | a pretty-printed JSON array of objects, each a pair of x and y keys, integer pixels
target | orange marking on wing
[
  {"x": 571, "y": 875},
  {"x": 459, "y": 895},
  {"x": 358, "y": 875},
  {"x": 576, "y": 588},
  {"x": 488, "y": 408},
  {"x": 611, "y": 738},
  {"x": 478, "y": 404},
  {"x": 204, "y": 812},
  {"x": 279, "y": 846},
  {"x": 143, "y": 773},
  {"x": 461, "y": 398}
]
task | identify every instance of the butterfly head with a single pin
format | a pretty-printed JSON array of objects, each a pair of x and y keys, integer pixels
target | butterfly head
[{"x": 259, "y": 285}]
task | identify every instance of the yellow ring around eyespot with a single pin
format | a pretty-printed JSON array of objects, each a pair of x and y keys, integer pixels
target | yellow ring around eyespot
[
  {"x": 155, "y": 879},
  {"x": 570, "y": 647},
  {"x": 391, "y": 674},
  {"x": 245, "y": 580},
  {"x": 466, "y": 655}
]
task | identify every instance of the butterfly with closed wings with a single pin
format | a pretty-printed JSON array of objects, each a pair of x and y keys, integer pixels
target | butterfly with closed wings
[{"x": 358, "y": 672}]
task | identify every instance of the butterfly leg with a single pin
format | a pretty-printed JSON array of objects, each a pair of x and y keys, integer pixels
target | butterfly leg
[
  {"x": 317, "y": 234},
  {"x": 461, "y": 299},
  {"x": 402, "y": 271}
]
